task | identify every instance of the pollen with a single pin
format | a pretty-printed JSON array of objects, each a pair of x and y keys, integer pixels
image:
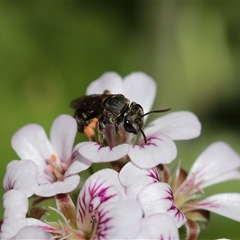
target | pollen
[
  {"x": 93, "y": 123},
  {"x": 89, "y": 129},
  {"x": 89, "y": 132},
  {"x": 53, "y": 158}
]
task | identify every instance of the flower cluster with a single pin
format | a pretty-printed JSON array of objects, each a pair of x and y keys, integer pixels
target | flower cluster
[{"x": 137, "y": 195}]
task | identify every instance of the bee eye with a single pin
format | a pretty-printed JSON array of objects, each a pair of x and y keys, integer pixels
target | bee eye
[{"x": 129, "y": 127}]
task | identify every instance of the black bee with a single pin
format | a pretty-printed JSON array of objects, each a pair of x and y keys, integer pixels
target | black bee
[{"x": 101, "y": 109}]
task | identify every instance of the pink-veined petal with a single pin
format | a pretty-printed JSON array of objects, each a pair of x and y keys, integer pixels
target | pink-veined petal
[
  {"x": 158, "y": 198},
  {"x": 22, "y": 176},
  {"x": 118, "y": 220},
  {"x": 225, "y": 204},
  {"x": 33, "y": 233},
  {"x": 217, "y": 162},
  {"x": 130, "y": 172},
  {"x": 78, "y": 164},
  {"x": 50, "y": 189},
  {"x": 158, "y": 226},
  {"x": 108, "y": 81},
  {"x": 31, "y": 142},
  {"x": 101, "y": 187},
  {"x": 62, "y": 135},
  {"x": 15, "y": 204},
  {"x": 33, "y": 222},
  {"x": 180, "y": 125},
  {"x": 97, "y": 153},
  {"x": 140, "y": 88},
  {"x": 233, "y": 175},
  {"x": 158, "y": 149},
  {"x": 135, "y": 179}
]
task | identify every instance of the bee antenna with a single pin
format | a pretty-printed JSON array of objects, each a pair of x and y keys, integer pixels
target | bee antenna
[
  {"x": 144, "y": 136},
  {"x": 157, "y": 111}
]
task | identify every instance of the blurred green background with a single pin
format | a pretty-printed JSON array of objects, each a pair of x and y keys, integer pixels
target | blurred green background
[{"x": 51, "y": 51}]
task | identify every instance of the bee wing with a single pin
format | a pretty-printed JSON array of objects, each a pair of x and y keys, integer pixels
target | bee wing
[{"x": 86, "y": 101}]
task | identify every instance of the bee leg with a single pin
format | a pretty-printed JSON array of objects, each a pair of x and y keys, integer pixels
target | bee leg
[
  {"x": 117, "y": 130},
  {"x": 101, "y": 130}
]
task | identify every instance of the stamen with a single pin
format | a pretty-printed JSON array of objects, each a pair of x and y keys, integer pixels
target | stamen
[
  {"x": 58, "y": 174},
  {"x": 50, "y": 168},
  {"x": 53, "y": 158},
  {"x": 64, "y": 166}
]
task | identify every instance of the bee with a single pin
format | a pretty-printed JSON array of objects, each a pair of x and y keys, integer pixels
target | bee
[{"x": 99, "y": 110}]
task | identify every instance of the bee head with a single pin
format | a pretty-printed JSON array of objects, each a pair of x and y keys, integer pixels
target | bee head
[{"x": 133, "y": 119}]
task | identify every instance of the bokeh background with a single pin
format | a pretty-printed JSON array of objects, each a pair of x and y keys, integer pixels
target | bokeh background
[{"x": 51, "y": 51}]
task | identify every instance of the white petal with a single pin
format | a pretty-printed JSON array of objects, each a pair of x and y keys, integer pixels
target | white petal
[
  {"x": 158, "y": 198},
  {"x": 137, "y": 186},
  {"x": 215, "y": 161},
  {"x": 50, "y": 189},
  {"x": 158, "y": 149},
  {"x": 140, "y": 88},
  {"x": 108, "y": 81},
  {"x": 118, "y": 220},
  {"x": 15, "y": 205},
  {"x": 31, "y": 142},
  {"x": 130, "y": 172},
  {"x": 233, "y": 175},
  {"x": 101, "y": 187},
  {"x": 62, "y": 135},
  {"x": 33, "y": 233},
  {"x": 225, "y": 204},
  {"x": 78, "y": 165},
  {"x": 180, "y": 125},
  {"x": 33, "y": 222},
  {"x": 158, "y": 226},
  {"x": 97, "y": 153},
  {"x": 22, "y": 176}
]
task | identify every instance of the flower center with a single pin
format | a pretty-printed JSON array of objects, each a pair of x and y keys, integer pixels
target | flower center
[
  {"x": 185, "y": 195},
  {"x": 56, "y": 168}
]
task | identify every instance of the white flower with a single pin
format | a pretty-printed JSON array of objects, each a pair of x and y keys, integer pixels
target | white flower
[
  {"x": 56, "y": 160},
  {"x": 218, "y": 163},
  {"x": 159, "y": 148},
  {"x": 154, "y": 196},
  {"x": 15, "y": 205},
  {"x": 22, "y": 176},
  {"x": 104, "y": 211}
]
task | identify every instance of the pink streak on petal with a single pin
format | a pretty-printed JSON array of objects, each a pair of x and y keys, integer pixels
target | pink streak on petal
[
  {"x": 158, "y": 198},
  {"x": 102, "y": 187},
  {"x": 98, "y": 153},
  {"x": 225, "y": 204},
  {"x": 21, "y": 175},
  {"x": 130, "y": 172},
  {"x": 214, "y": 162},
  {"x": 158, "y": 149}
]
